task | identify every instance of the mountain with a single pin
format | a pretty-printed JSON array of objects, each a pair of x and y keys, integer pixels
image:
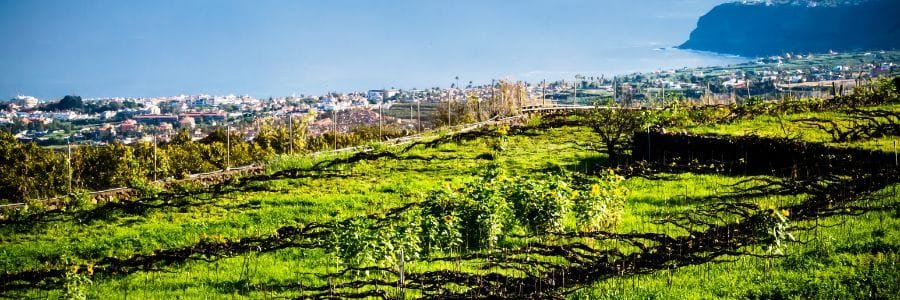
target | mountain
[{"x": 762, "y": 28}]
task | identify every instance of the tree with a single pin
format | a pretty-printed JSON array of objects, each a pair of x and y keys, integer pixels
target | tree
[
  {"x": 897, "y": 84},
  {"x": 465, "y": 112},
  {"x": 102, "y": 167},
  {"x": 183, "y": 137},
  {"x": 69, "y": 102},
  {"x": 503, "y": 103},
  {"x": 615, "y": 126},
  {"x": 169, "y": 108},
  {"x": 29, "y": 171}
]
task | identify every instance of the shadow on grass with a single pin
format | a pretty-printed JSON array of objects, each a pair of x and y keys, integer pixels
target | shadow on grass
[{"x": 593, "y": 165}]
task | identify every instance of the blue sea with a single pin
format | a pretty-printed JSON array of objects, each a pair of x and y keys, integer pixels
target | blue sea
[
  {"x": 107, "y": 48},
  {"x": 623, "y": 61}
]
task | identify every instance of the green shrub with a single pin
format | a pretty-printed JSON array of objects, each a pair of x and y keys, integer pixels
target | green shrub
[
  {"x": 601, "y": 208},
  {"x": 486, "y": 214},
  {"x": 440, "y": 217},
  {"x": 78, "y": 200},
  {"x": 145, "y": 188},
  {"x": 76, "y": 283},
  {"x": 540, "y": 205}
]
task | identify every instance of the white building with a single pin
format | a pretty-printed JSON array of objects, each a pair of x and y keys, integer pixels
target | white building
[
  {"x": 25, "y": 101},
  {"x": 375, "y": 96}
]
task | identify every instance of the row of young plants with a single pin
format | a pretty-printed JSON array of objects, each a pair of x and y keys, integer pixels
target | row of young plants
[
  {"x": 480, "y": 216},
  {"x": 80, "y": 210},
  {"x": 485, "y": 214}
]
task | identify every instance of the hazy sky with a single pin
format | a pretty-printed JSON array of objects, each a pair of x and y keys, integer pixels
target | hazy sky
[{"x": 165, "y": 47}]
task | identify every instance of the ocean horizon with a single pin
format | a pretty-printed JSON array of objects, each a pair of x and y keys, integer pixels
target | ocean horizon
[
  {"x": 610, "y": 64},
  {"x": 278, "y": 48}
]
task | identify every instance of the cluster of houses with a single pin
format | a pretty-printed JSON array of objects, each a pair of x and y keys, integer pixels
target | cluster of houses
[{"x": 161, "y": 116}]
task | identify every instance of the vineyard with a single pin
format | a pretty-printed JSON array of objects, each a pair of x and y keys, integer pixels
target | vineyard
[{"x": 796, "y": 199}]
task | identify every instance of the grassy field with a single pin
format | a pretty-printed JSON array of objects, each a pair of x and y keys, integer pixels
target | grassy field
[
  {"x": 408, "y": 111},
  {"x": 353, "y": 190},
  {"x": 793, "y": 126},
  {"x": 844, "y": 256}
]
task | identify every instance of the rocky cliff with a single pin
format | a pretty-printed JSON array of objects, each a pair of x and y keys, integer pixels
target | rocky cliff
[{"x": 762, "y": 28}]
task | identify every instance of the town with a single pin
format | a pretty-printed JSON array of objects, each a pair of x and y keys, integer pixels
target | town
[{"x": 130, "y": 120}]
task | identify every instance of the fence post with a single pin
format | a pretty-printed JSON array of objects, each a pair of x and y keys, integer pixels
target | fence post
[
  {"x": 155, "y": 171},
  {"x": 228, "y": 143},
  {"x": 648, "y": 144},
  {"x": 402, "y": 283},
  {"x": 291, "y": 132},
  {"x": 69, "y": 165}
]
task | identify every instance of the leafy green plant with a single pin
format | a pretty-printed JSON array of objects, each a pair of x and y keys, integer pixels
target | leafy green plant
[
  {"x": 78, "y": 200},
  {"x": 356, "y": 244},
  {"x": 773, "y": 226},
  {"x": 540, "y": 205},
  {"x": 145, "y": 188},
  {"x": 602, "y": 206},
  {"x": 486, "y": 214},
  {"x": 360, "y": 243},
  {"x": 440, "y": 217},
  {"x": 76, "y": 283},
  {"x": 472, "y": 218}
]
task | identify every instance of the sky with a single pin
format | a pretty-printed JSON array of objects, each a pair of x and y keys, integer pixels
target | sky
[{"x": 104, "y": 48}]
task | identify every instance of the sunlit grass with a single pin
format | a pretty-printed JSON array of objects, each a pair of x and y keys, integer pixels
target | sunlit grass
[
  {"x": 790, "y": 126},
  {"x": 368, "y": 187}
]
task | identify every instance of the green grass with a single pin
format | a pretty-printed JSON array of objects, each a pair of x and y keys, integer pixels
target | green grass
[
  {"x": 402, "y": 110},
  {"x": 835, "y": 263},
  {"x": 847, "y": 258},
  {"x": 363, "y": 188},
  {"x": 789, "y": 126}
]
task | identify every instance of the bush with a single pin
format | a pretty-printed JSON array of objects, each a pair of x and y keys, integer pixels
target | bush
[
  {"x": 440, "y": 221},
  {"x": 540, "y": 205},
  {"x": 601, "y": 208},
  {"x": 145, "y": 188},
  {"x": 486, "y": 214},
  {"x": 78, "y": 200},
  {"x": 473, "y": 218},
  {"x": 23, "y": 215}
]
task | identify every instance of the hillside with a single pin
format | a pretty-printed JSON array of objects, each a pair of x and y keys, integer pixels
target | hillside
[
  {"x": 777, "y": 27},
  {"x": 786, "y": 199}
]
